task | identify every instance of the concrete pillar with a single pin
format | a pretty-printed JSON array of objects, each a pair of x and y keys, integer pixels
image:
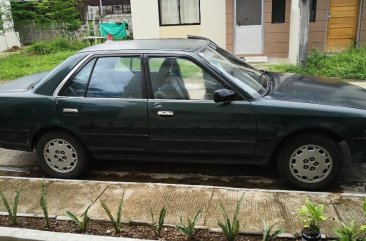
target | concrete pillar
[
  {"x": 304, "y": 30},
  {"x": 299, "y": 31},
  {"x": 294, "y": 44}
]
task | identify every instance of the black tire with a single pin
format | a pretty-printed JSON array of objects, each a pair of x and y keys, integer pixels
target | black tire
[
  {"x": 288, "y": 156},
  {"x": 77, "y": 166}
]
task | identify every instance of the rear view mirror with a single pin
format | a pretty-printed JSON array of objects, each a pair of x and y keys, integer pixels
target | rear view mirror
[{"x": 224, "y": 95}]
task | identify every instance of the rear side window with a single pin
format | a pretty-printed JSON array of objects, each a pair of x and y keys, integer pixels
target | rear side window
[
  {"x": 78, "y": 85},
  {"x": 107, "y": 77}
]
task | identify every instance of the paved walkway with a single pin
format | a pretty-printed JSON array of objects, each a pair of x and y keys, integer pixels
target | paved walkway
[{"x": 258, "y": 205}]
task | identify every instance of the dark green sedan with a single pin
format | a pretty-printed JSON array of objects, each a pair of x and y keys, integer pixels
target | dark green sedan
[{"x": 185, "y": 100}]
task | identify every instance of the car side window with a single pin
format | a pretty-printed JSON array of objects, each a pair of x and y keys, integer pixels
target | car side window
[
  {"x": 179, "y": 78},
  {"x": 77, "y": 86},
  {"x": 116, "y": 77}
]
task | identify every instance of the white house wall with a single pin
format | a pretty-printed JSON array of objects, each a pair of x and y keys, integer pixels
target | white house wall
[{"x": 145, "y": 18}]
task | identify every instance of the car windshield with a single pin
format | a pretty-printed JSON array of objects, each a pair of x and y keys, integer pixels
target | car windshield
[{"x": 253, "y": 81}]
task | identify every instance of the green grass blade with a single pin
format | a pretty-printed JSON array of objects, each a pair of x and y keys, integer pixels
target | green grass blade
[
  {"x": 15, "y": 205},
  {"x": 110, "y": 216},
  {"x": 119, "y": 212},
  {"x": 7, "y": 206},
  {"x": 74, "y": 219}
]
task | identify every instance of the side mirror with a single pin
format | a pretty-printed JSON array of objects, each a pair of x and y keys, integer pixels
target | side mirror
[{"x": 224, "y": 95}]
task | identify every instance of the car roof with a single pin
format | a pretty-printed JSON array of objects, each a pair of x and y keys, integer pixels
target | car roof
[{"x": 150, "y": 44}]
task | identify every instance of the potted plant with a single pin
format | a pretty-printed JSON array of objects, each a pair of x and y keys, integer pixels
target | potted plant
[{"x": 312, "y": 216}]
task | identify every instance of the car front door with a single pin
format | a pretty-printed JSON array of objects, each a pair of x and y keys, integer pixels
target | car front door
[
  {"x": 104, "y": 103},
  {"x": 185, "y": 120}
]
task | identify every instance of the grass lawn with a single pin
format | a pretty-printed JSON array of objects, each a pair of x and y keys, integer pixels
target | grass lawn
[
  {"x": 350, "y": 64},
  {"x": 36, "y": 58},
  {"x": 21, "y": 64}
]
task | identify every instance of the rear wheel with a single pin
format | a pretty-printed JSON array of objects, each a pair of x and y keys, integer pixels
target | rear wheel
[
  {"x": 309, "y": 161},
  {"x": 61, "y": 155}
]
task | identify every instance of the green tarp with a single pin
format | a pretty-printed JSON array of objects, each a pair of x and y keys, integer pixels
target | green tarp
[{"x": 117, "y": 30}]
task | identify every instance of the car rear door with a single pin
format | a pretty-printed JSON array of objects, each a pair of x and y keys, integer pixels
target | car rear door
[
  {"x": 104, "y": 102},
  {"x": 185, "y": 120}
]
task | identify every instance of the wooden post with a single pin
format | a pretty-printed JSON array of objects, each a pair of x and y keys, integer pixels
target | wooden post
[{"x": 304, "y": 31}]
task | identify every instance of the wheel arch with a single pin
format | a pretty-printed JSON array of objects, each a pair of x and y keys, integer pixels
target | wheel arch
[
  {"x": 324, "y": 132},
  {"x": 39, "y": 133}
]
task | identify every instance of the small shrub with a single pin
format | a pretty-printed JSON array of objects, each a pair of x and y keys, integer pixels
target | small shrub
[
  {"x": 158, "y": 226},
  {"x": 40, "y": 48},
  {"x": 189, "y": 229},
  {"x": 43, "y": 204},
  {"x": 117, "y": 224},
  {"x": 12, "y": 212},
  {"x": 231, "y": 228},
  {"x": 83, "y": 222},
  {"x": 268, "y": 234},
  {"x": 312, "y": 216},
  {"x": 58, "y": 45},
  {"x": 349, "y": 232}
]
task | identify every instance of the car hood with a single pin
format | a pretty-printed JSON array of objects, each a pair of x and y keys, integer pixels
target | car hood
[
  {"x": 317, "y": 90},
  {"x": 22, "y": 84}
]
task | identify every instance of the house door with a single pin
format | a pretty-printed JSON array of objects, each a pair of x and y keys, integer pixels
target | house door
[
  {"x": 248, "y": 30},
  {"x": 342, "y": 24}
]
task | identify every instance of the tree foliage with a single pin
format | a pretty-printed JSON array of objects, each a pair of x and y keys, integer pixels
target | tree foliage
[{"x": 48, "y": 12}]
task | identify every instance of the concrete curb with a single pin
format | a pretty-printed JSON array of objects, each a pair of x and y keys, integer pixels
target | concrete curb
[{"x": 20, "y": 234}]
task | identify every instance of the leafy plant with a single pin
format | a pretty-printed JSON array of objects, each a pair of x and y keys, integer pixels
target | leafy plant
[
  {"x": 81, "y": 222},
  {"x": 117, "y": 224},
  {"x": 231, "y": 228},
  {"x": 12, "y": 212},
  {"x": 268, "y": 235},
  {"x": 349, "y": 232},
  {"x": 312, "y": 215},
  {"x": 189, "y": 229},
  {"x": 43, "y": 204},
  {"x": 157, "y": 226}
]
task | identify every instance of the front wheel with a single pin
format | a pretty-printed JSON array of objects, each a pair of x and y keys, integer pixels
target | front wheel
[
  {"x": 61, "y": 155},
  {"x": 309, "y": 162}
]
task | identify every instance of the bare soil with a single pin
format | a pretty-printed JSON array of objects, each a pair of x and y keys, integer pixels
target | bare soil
[{"x": 129, "y": 231}]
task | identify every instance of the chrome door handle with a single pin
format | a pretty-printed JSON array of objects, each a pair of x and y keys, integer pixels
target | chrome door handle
[
  {"x": 70, "y": 111},
  {"x": 165, "y": 113}
]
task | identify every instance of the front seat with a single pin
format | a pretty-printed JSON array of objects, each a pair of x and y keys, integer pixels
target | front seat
[{"x": 169, "y": 83}]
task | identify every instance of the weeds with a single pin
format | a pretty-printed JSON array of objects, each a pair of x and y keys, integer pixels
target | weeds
[
  {"x": 231, "y": 228},
  {"x": 82, "y": 223},
  {"x": 189, "y": 229},
  {"x": 158, "y": 226},
  {"x": 268, "y": 235},
  {"x": 117, "y": 224},
  {"x": 43, "y": 48},
  {"x": 349, "y": 64},
  {"x": 12, "y": 212},
  {"x": 43, "y": 204}
]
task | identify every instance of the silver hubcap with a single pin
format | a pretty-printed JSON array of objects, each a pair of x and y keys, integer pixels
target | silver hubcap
[
  {"x": 60, "y": 155},
  {"x": 311, "y": 163}
]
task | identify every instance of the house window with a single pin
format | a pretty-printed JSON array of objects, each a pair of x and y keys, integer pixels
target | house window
[
  {"x": 117, "y": 9},
  {"x": 126, "y": 9},
  {"x": 278, "y": 11},
  {"x": 313, "y": 10},
  {"x": 179, "y": 12}
]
